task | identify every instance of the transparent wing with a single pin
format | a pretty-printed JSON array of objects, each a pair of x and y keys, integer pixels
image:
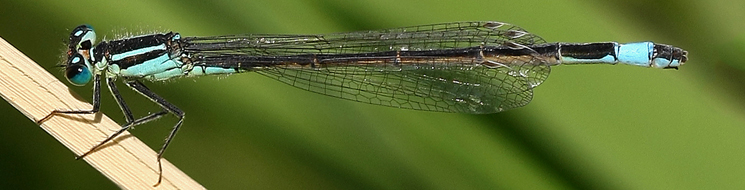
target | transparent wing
[
  {"x": 425, "y": 37},
  {"x": 458, "y": 86},
  {"x": 464, "y": 84}
]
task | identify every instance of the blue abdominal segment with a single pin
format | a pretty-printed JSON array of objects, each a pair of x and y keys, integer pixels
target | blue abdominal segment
[{"x": 636, "y": 53}]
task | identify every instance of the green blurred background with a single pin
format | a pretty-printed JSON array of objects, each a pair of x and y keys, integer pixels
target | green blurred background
[{"x": 588, "y": 127}]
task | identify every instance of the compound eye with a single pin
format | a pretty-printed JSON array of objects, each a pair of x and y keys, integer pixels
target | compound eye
[
  {"x": 77, "y": 71},
  {"x": 82, "y": 38}
]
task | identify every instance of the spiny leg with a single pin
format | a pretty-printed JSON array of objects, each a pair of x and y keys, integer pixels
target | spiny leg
[
  {"x": 127, "y": 114},
  {"x": 125, "y": 127},
  {"x": 142, "y": 89},
  {"x": 96, "y": 103},
  {"x": 119, "y": 100},
  {"x": 131, "y": 122}
]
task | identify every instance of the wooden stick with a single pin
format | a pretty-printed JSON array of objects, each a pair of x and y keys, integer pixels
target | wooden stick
[{"x": 126, "y": 161}]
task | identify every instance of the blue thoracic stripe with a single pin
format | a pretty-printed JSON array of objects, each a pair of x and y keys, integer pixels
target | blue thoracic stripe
[{"x": 120, "y": 56}]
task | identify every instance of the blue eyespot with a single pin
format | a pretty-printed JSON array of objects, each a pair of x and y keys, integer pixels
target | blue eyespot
[{"x": 77, "y": 71}]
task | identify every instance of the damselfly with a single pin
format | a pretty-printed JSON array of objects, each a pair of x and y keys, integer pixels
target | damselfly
[{"x": 463, "y": 67}]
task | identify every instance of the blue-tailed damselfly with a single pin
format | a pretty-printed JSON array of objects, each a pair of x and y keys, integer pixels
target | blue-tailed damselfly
[{"x": 462, "y": 67}]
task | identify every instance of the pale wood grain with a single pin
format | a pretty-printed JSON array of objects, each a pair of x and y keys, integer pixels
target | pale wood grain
[{"x": 127, "y": 161}]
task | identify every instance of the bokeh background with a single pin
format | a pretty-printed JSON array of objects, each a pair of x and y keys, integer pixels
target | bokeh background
[{"x": 588, "y": 127}]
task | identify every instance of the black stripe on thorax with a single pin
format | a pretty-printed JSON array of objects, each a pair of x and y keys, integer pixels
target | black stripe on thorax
[{"x": 130, "y": 44}]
